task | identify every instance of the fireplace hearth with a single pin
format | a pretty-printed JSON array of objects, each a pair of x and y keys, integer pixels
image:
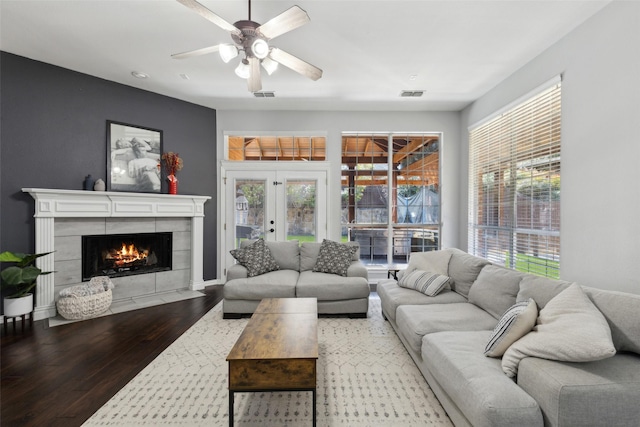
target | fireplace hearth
[{"x": 118, "y": 255}]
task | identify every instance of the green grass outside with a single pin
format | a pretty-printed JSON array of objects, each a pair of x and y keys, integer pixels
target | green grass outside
[
  {"x": 536, "y": 265},
  {"x": 302, "y": 238}
]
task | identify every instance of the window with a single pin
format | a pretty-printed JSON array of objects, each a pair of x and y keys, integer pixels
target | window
[
  {"x": 391, "y": 194},
  {"x": 276, "y": 147},
  {"x": 514, "y": 186}
]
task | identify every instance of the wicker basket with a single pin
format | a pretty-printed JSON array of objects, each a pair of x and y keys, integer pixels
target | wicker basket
[{"x": 80, "y": 308}]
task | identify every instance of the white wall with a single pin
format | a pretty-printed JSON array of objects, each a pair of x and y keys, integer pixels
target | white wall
[
  {"x": 600, "y": 222},
  {"x": 334, "y": 123}
]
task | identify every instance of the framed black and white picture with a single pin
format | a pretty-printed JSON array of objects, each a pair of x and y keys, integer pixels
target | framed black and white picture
[{"x": 133, "y": 158}]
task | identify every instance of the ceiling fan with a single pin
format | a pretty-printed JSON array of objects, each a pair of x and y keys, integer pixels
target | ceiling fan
[{"x": 252, "y": 39}]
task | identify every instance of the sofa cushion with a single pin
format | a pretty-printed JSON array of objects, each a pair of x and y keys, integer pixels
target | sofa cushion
[
  {"x": 275, "y": 284},
  {"x": 464, "y": 270},
  {"x": 621, "y": 311},
  {"x": 415, "y": 321},
  {"x": 256, "y": 258},
  {"x": 286, "y": 253},
  {"x": 516, "y": 322},
  {"x": 541, "y": 289},
  {"x": 309, "y": 254},
  {"x": 426, "y": 282},
  {"x": 436, "y": 261},
  {"x": 600, "y": 393},
  {"x": 495, "y": 289},
  {"x": 392, "y": 296},
  {"x": 334, "y": 258},
  {"x": 330, "y": 287},
  {"x": 569, "y": 328},
  {"x": 476, "y": 383}
]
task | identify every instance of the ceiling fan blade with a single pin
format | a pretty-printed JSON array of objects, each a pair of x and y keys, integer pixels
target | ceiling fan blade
[
  {"x": 288, "y": 20},
  {"x": 296, "y": 64},
  {"x": 197, "y": 52},
  {"x": 254, "y": 83},
  {"x": 210, "y": 16}
]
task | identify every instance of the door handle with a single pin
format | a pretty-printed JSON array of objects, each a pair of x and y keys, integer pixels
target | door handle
[{"x": 271, "y": 230}]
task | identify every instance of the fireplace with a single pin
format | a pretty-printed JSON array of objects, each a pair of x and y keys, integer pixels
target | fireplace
[{"x": 117, "y": 255}]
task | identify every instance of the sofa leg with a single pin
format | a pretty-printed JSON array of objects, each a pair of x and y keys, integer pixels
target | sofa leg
[
  {"x": 231, "y": 315},
  {"x": 357, "y": 315}
]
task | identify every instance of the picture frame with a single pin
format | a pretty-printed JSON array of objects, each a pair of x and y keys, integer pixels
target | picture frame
[{"x": 133, "y": 158}]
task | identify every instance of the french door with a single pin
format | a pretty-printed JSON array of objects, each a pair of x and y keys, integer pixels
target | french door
[{"x": 273, "y": 204}]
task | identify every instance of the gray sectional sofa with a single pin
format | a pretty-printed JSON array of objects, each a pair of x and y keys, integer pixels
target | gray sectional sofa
[
  {"x": 446, "y": 335},
  {"x": 295, "y": 278}
]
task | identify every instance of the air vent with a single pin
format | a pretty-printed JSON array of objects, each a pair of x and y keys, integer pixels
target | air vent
[
  {"x": 264, "y": 94},
  {"x": 411, "y": 93}
]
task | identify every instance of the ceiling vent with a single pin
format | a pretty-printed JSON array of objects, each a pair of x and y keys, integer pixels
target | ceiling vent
[
  {"x": 411, "y": 93},
  {"x": 264, "y": 94}
]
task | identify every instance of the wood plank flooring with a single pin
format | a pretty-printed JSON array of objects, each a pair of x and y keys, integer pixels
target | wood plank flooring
[{"x": 60, "y": 376}]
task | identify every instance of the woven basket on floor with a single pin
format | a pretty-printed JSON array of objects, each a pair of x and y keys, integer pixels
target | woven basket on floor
[{"x": 80, "y": 308}]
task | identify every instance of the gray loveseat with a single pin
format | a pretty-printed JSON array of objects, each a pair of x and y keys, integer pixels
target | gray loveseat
[
  {"x": 446, "y": 336},
  {"x": 295, "y": 278}
]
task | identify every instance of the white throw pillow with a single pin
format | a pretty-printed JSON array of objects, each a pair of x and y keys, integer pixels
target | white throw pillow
[
  {"x": 569, "y": 329},
  {"x": 515, "y": 323},
  {"x": 426, "y": 282}
]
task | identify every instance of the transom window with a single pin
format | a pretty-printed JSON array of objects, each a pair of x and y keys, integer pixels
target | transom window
[{"x": 275, "y": 147}]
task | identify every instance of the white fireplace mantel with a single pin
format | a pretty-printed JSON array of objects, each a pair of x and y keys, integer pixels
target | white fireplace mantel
[{"x": 52, "y": 203}]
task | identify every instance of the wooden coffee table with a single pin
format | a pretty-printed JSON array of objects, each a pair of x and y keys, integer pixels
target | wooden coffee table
[{"x": 277, "y": 350}]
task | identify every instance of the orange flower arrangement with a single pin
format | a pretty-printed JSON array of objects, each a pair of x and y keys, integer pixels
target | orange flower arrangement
[{"x": 172, "y": 162}]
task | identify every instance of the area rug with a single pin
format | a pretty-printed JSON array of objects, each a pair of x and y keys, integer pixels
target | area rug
[{"x": 365, "y": 378}]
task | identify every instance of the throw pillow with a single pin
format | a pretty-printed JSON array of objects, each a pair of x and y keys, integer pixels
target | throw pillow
[
  {"x": 517, "y": 321},
  {"x": 569, "y": 329},
  {"x": 334, "y": 257},
  {"x": 426, "y": 282},
  {"x": 436, "y": 261},
  {"x": 256, "y": 258}
]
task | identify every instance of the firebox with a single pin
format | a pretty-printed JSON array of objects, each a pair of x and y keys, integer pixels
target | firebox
[{"x": 117, "y": 255}]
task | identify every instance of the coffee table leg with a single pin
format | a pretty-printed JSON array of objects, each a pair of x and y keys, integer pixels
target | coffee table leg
[
  {"x": 230, "y": 408},
  {"x": 314, "y": 407}
]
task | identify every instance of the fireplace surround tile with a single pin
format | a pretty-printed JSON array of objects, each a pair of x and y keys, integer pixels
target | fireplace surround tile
[
  {"x": 130, "y": 225},
  {"x": 79, "y": 226}
]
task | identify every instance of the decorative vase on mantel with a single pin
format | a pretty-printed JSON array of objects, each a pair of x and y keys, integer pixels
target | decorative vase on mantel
[{"x": 173, "y": 184}]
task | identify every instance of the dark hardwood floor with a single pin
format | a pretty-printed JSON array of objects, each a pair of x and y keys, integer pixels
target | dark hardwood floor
[{"x": 60, "y": 376}]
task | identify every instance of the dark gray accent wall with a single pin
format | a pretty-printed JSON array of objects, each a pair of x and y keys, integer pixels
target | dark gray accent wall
[{"x": 53, "y": 133}]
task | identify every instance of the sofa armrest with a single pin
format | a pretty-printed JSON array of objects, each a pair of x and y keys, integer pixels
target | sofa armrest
[
  {"x": 357, "y": 269},
  {"x": 237, "y": 271}
]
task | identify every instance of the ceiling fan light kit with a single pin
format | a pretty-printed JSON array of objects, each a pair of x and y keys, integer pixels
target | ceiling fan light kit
[
  {"x": 252, "y": 39},
  {"x": 228, "y": 52},
  {"x": 269, "y": 65},
  {"x": 242, "y": 70}
]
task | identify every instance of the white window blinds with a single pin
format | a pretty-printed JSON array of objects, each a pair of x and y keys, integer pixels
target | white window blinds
[{"x": 514, "y": 186}]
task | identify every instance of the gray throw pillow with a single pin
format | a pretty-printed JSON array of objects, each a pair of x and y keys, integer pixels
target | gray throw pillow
[
  {"x": 334, "y": 257},
  {"x": 256, "y": 258},
  {"x": 426, "y": 282}
]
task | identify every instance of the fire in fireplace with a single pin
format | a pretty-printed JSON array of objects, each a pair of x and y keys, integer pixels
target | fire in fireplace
[{"x": 117, "y": 255}]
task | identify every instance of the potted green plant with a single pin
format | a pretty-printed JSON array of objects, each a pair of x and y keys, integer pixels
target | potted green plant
[{"x": 20, "y": 278}]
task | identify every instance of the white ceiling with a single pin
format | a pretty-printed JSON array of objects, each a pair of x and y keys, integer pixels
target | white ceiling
[{"x": 368, "y": 50}]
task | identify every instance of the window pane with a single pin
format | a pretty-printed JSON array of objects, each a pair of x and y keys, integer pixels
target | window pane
[
  {"x": 249, "y": 218},
  {"x": 514, "y": 186},
  {"x": 276, "y": 148},
  {"x": 301, "y": 210},
  {"x": 390, "y": 194}
]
